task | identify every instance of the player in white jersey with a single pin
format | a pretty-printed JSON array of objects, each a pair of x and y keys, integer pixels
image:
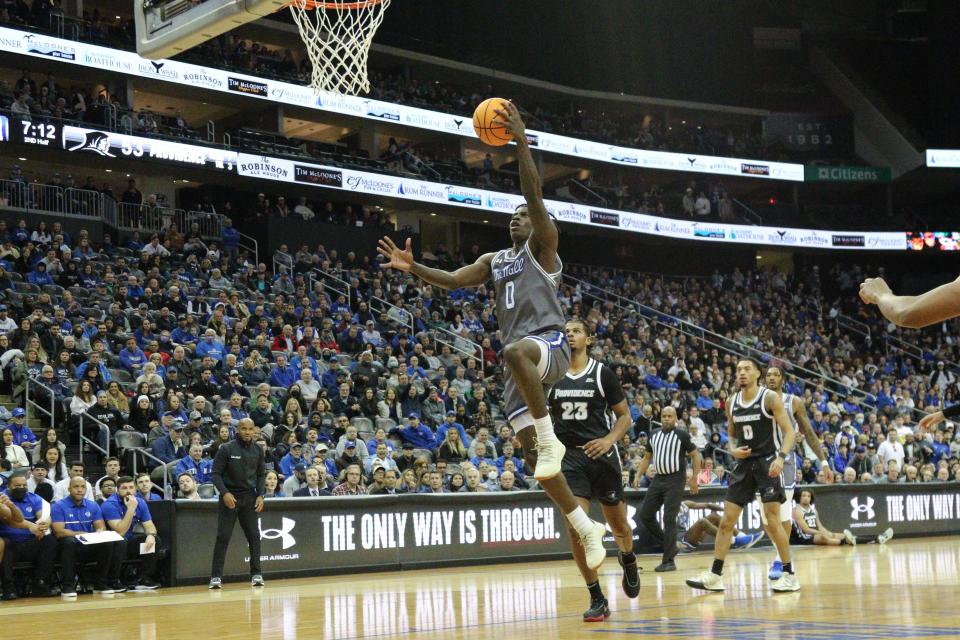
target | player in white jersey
[
  {"x": 808, "y": 529},
  {"x": 801, "y": 424}
]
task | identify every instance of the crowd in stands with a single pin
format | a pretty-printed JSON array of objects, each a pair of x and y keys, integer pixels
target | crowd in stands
[
  {"x": 44, "y": 99},
  {"x": 150, "y": 346}
]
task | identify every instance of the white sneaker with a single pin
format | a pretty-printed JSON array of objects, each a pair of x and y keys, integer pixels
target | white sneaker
[
  {"x": 707, "y": 581},
  {"x": 592, "y": 543},
  {"x": 787, "y": 582},
  {"x": 852, "y": 539},
  {"x": 549, "y": 456},
  {"x": 885, "y": 537}
]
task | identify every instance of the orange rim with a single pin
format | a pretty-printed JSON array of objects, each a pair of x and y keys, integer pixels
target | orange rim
[{"x": 336, "y": 6}]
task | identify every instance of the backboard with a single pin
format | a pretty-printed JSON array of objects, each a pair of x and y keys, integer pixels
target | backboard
[{"x": 168, "y": 27}]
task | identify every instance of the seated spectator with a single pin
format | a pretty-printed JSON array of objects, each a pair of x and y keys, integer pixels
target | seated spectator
[
  {"x": 434, "y": 483},
  {"x": 187, "y": 487},
  {"x": 506, "y": 482},
  {"x": 22, "y": 434},
  {"x": 62, "y": 488},
  {"x": 314, "y": 489},
  {"x": 508, "y": 456},
  {"x": 388, "y": 484},
  {"x": 29, "y": 541},
  {"x": 170, "y": 448},
  {"x": 145, "y": 488},
  {"x": 11, "y": 452},
  {"x": 296, "y": 480},
  {"x": 283, "y": 374},
  {"x": 292, "y": 459},
  {"x": 472, "y": 482},
  {"x": 132, "y": 358},
  {"x": 272, "y": 487},
  {"x": 72, "y": 516},
  {"x": 124, "y": 512},
  {"x": 451, "y": 448},
  {"x": 196, "y": 465},
  {"x": 352, "y": 484},
  {"x": 380, "y": 458},
  {"x": 416, "y": 434}
]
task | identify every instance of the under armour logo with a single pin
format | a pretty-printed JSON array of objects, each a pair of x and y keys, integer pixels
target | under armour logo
[
  {"x": 631, "y": 511},
  {"x": 286, "y": 526},
  {"x": 858, "y": 508}
]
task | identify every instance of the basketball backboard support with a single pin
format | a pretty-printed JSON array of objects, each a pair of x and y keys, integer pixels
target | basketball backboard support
[{"x": 168, "y": 27}]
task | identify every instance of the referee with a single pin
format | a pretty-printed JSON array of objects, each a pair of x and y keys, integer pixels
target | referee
[
  {"x": 668, "y": 451},
  {"x": 239, "y": 475}
]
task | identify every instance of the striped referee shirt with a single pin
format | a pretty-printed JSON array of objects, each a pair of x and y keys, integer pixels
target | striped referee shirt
[{"x": 669, "y": 451}]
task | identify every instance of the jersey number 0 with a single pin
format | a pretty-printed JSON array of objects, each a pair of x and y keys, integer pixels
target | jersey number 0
[{"x": 508, "y": 294}]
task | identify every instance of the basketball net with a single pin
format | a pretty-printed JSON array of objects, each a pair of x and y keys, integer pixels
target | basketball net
[{"x": 338, "y": 36}]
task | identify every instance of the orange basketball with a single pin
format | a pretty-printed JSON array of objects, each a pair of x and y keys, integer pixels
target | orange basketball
[{"x": 483, "y": 123}]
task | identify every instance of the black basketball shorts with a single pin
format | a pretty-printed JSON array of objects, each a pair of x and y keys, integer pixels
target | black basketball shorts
[
  {"x": 751, "y": 477},
  {"x": 601, "y": 478}
]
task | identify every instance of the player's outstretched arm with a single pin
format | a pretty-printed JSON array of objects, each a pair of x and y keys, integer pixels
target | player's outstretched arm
[
  {"x": 913, "y": 312},
  {"x": 545, "y": 233},
  {"x": 472, "y": 275},
  {"x": 811, "y": 436},
  {"x": 820, "y": 527}
]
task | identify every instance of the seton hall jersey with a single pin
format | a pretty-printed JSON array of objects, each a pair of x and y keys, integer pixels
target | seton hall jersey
[
  {"x": 526, "y": 295},
  {"x": 754, "y": 425},
  {"x": 580, "y": 404}
]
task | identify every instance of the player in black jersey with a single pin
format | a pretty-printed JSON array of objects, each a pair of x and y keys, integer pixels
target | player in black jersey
[
  {"x": 581, "y": 403},
  {"x": 761, "y": 437}
]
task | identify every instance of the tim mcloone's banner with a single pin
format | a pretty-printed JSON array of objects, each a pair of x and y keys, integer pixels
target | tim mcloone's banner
[
  {"x": 382, "y": 533},
  {"x": 81, "y": 143}
]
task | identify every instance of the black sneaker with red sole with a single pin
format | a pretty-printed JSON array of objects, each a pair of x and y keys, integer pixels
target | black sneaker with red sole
[{"x": 598, "y": 611}]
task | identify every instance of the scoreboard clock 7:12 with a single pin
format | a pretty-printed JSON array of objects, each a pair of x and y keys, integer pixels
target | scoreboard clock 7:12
[{"x": 41, "y": 134}]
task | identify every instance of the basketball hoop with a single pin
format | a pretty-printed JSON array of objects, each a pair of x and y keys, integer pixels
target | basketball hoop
[{"x": 338, "y": 37}]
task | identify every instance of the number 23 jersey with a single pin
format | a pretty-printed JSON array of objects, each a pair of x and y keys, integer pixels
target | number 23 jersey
[{"x": 580, "y": 404}]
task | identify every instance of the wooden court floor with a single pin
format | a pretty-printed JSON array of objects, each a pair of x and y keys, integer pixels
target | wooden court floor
[{"x": 907, "y": 589}]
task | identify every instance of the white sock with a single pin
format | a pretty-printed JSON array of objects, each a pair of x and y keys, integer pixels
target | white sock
[
  {"x": 580, "y": 521},
  {"x": 544, "y": 427}
]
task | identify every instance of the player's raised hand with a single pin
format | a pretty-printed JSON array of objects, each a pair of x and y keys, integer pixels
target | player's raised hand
[
  {"x": 509, "y": 116},
  {"x": 397, "y": 258},
  {"x": 827, "y": 473},
  {"x": 931, "y": 420},
  {"x": 872, "y": 288}
]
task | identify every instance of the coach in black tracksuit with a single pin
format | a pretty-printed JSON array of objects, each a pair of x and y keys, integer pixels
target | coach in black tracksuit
[
  {"x": 668, "y": 451},
  {"x": 239, "y": 475}
]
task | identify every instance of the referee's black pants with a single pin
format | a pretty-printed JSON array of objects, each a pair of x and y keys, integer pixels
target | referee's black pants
[
  {"x": 226, "y": 520},
  {"x": 665, "y": 491}
]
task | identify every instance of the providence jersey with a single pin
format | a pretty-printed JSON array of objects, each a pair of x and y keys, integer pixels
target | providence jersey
[
  {"x": 809, "y": 517},
  {"x": 526, "y": 295},
  {"x": 754, "y": 425},
  {"x": 580, "y": 404},
  {"x": 790, "y": 464}
]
